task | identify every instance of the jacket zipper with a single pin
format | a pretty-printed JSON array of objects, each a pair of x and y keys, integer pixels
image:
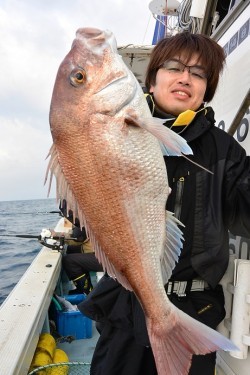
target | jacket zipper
[{"x": 178, "y": 200}]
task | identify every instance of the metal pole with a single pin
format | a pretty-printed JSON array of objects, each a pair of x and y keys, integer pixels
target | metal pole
[{"x": 239, "y": 115}]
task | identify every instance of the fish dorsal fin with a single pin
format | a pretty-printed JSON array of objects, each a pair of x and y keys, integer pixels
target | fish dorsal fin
[
  {"x": 173, "y": 246},
  {"x": 64, "y": 192}
]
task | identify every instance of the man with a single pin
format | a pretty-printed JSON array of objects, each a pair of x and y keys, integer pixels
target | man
[
  {"x": 182, "y": 75},
  {"x": 79, "y": 258},
  {"x": 78, "y": 262}
]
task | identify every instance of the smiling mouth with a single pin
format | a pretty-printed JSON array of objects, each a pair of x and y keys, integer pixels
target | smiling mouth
[{"x": 181, "y": 93}]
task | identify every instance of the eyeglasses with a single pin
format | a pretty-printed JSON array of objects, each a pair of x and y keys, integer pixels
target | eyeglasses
[{"x": 177, "y": 67}]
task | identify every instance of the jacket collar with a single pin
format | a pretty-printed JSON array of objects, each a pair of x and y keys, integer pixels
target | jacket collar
[{"x": 201, "y": 123}]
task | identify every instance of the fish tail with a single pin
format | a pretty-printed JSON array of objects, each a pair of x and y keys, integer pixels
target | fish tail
[{"x": 182, "y": 336}]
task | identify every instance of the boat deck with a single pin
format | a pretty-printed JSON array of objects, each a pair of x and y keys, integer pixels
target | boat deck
[{"x": 81, "y": 350}]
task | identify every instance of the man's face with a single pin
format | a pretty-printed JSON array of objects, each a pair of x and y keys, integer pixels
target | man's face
[{"x": 175, "y": 91}]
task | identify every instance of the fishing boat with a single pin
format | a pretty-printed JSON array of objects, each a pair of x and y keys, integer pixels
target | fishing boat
[{"x": 25, "y": 315}]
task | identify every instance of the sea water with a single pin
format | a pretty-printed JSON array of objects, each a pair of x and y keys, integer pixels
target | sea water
[{"x": 27, "y": 217}]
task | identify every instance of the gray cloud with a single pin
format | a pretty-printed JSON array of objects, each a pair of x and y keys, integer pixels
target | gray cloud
[{"x": 35, "y": 35}]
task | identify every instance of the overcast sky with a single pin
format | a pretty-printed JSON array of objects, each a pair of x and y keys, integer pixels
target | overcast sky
[{"x": 35, "y": 36}]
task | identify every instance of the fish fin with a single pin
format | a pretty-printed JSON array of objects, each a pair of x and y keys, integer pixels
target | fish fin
[
  {"x": 197, "y": 164},
  {"x": 173, "y": 246},
  {"x": 63, "y": 188},
  {"x": 171, "y": 143},
  {"x": 183, "y": 336},
  {"x": 53, "y": 163},
  {"x": 64, "y": 192}
]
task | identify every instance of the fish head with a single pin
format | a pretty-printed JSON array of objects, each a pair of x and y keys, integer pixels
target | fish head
[{"x": 92, "y": 79}]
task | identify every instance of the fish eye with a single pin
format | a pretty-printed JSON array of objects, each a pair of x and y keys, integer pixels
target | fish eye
[{"x": 77, "y": 77}]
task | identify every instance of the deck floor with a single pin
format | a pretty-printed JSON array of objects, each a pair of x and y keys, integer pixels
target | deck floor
[{"x": 81, "y": 350}]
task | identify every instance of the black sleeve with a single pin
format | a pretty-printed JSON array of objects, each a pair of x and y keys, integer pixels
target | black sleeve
[
  {"x": 237, "y": 190},
  {"x": 110, "y": 303}
]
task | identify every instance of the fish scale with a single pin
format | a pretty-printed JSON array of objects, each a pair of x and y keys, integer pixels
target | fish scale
[{"x": 108, "y": 162}]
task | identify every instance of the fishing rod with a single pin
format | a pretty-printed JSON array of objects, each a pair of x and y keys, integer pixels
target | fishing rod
[
  {"x": 37, "y": 212},
  {"x": 39, "y": 238},
  {"x": 46, "y": 238}
]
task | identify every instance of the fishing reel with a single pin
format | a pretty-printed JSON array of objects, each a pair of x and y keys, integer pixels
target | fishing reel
[{"x": 47, "y": 239}]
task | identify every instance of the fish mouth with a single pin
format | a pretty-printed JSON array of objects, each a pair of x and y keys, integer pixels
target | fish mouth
[
  {"x": 120, "y": 84},
  {"x": 96, "y": 39},
  {"x": 92, "y": 33},
  {"x": 116, "y": 87},
  {"x": 111, "y": 83}
]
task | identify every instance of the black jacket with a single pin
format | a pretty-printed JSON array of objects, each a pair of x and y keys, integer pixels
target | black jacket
[{"x": 209, "y": 205}]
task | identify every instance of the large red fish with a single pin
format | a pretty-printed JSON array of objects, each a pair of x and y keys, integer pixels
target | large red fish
[{"x": 109, "y": 167}]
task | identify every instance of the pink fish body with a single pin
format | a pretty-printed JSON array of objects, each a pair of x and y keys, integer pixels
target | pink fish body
[{"x": 109, "y": 167}]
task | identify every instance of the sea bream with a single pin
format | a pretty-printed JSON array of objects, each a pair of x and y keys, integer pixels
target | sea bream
[{"x": 107, "y": 157}]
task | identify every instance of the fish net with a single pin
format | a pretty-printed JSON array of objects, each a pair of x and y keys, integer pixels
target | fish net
[{"x": 63, "y": 368}]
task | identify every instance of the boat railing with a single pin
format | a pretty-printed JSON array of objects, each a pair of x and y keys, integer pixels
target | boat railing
[{"x": 24, "y": 312}]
